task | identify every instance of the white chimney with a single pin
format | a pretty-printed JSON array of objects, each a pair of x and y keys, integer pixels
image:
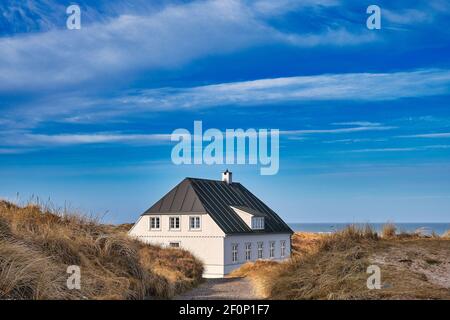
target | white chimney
[{"x": 227, "y": 177}]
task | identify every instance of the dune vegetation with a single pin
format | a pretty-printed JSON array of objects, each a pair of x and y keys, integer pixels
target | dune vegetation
[
  {"x": 389, "y": 231},
  {"x": 334, "y": 266},
  {"x": 38, "y": 244},
  {"x": 446, "y": 235}
]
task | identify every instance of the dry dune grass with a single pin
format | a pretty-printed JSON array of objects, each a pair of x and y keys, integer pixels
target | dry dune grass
[
  {"x": 304, "y": 243},
  {"x": 37, "y": 245},
  {"x": 322, "y": 267},
  {"x": 334, "y": 267},
  {"x": 446, "y": 235},
  {"x": 258, "y": 272},
  {"x": 389, "y": 230}
]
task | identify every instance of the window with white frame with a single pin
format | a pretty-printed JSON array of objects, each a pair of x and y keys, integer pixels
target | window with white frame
[
  {"x": 194, "y": 223},
  {"x": 155, "y": 223},
  {"x": 248, "y": 251},
  {"x": 283, "y": 248},
  {"x": 260, "y": 250},
  {"x": 272, "y": 249},
  {"x": 174, "y": 244},
  {"x": 174, "y": 223},
  {"x": 258, "y": 223},
  {"x": 234, "y": 252}
]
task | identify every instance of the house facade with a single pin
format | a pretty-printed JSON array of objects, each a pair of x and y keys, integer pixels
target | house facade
[{"x": 219, "y": 221}]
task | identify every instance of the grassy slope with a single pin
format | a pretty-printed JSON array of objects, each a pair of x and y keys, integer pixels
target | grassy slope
[
  {"x": 334, "y": 267},
  {"x": 36, "y": 246}
]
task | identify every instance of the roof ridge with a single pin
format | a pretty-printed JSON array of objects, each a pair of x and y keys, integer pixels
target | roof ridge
[{"x": 209, "y": 180}]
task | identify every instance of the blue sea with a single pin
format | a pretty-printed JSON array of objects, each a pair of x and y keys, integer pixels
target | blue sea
[{"x": 424, "y": 228}]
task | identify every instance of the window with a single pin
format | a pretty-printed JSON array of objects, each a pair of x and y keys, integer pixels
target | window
[
  {"x": 260, "y": 250},
  {"x": 174, "y": 244},
  {"x": 258, "y": 223},
  {"x": 154, "y": 223},
  {"x": 174, "y": 223},
  {"x": 194, "y": 223},
  {"x": 272, "y": 249},
  {"x": 248, "y": 251},
  {"x": 283, "y": 248},
  {"x": 234, "y": 252}
]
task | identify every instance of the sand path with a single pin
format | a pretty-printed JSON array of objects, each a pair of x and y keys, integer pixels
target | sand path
[{"x": 221, "y": 289}]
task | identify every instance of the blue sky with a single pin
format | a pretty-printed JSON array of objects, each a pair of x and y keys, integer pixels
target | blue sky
[{"x": 364, "y": 114}]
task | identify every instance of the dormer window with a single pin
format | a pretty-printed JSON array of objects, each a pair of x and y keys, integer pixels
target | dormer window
[
  {"x": 258, "y": 223},
  {"x": 252, "y": 217}
]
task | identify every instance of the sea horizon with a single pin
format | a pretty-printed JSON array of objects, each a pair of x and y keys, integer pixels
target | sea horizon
[{"x": 325, "y": 227}]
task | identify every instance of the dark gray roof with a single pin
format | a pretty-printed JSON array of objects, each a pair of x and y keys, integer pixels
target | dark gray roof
[{"x": 214, "y": 197}]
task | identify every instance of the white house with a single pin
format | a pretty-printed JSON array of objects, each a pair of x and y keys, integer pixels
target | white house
[{"x": 220, "y": 222}]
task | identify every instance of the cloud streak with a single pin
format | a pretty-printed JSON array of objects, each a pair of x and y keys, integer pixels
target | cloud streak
[
  {"x": 405, "y": 149},
  {"x": 428, "y": 135},
  {"x": 352, "y": 86},
  {"x": 166, "y": 38},
  {"x": 26, "y": 139},
  {"x": 357, "y": 123},
  {"x": 343, "y": 130},
  {"x": 79, "y": 108},
  {"x": 96, "y": 138}
]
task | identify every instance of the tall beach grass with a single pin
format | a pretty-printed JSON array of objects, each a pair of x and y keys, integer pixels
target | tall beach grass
[{"x": 37, "y": 244}]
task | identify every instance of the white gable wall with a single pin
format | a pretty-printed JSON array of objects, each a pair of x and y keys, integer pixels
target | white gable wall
[
  {"x": 209, "y": 244},
  {"x": 206, "y": 243},
  {"x": 265, "y": 238}
]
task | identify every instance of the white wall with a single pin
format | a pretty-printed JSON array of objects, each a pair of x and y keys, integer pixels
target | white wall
[
  {"x": 241, "y": 240},
  {"x": 206, "y": 244},
  {"x": 208, "y": 226},
  {"x": 209, "y": 244}
]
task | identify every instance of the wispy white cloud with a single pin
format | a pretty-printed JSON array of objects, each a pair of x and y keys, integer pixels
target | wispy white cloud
[
  {"x": 342, "y": 130},
  {"x": 337, "y": 37},
  {"x": 20, "y": 139},
  {"x": 279, "y": 7},
  {"x": 428, "y": 135},
  {"x": 6, "y": 151},
  {"x": 352, "y": 86},
  {"x": 380, "y": 150},
  {"x": 350, "y": 141},
  {"x": 169, "y": 37},
  {"x": 407, "y": 16},
  {"x": 357, "y": 123},
  {"x": 405, "y": 149},
  {"x": 76, "y": 108},
  {"x": 95, "y": 138},
  {"x": 22, "y": 142}
]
